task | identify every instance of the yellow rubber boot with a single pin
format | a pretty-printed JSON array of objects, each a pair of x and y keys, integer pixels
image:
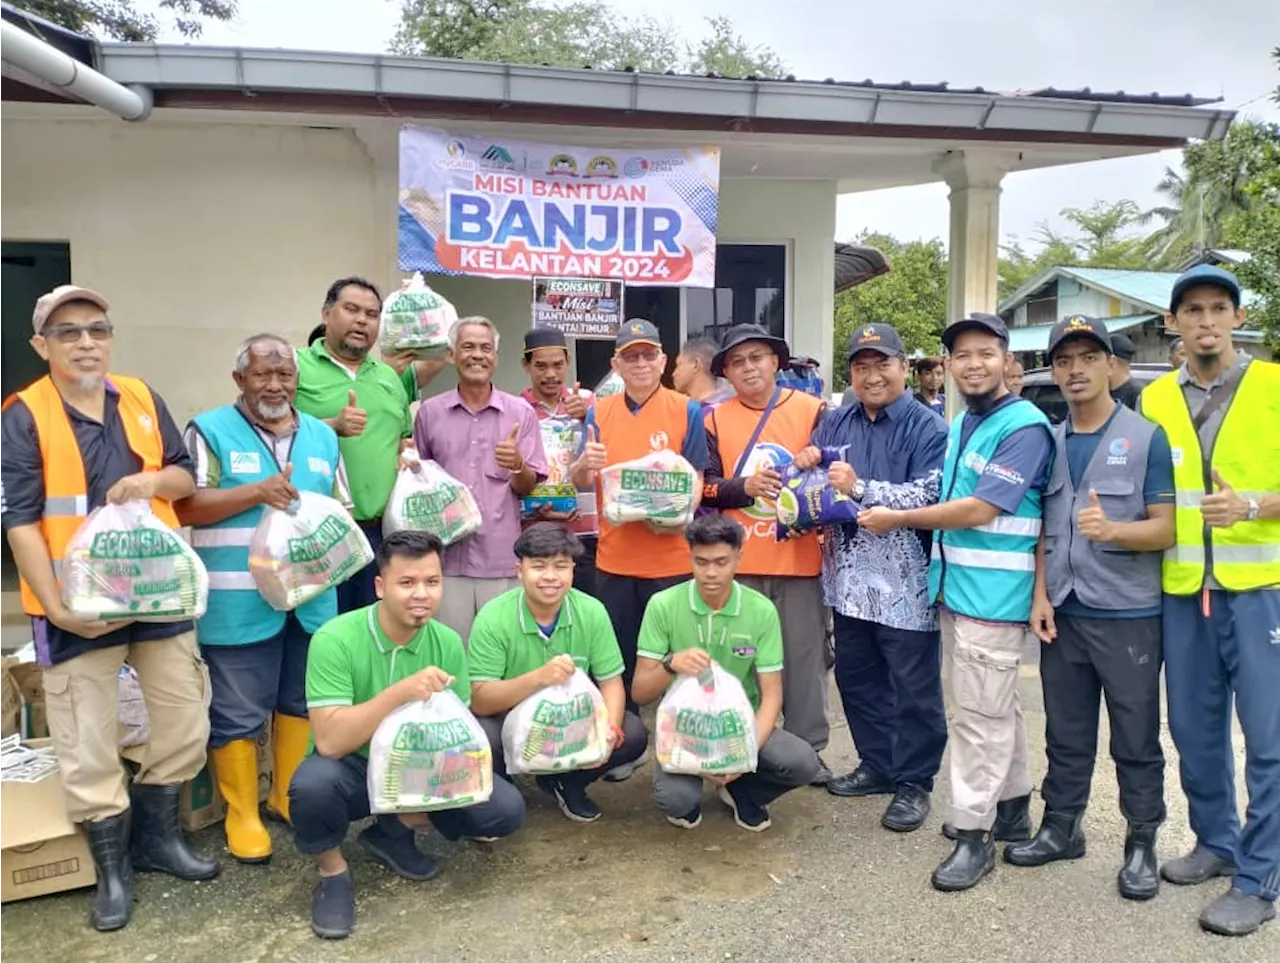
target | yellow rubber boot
[
  {"x": 290, "y": 739},
  {"x": 235, "y": 766}
]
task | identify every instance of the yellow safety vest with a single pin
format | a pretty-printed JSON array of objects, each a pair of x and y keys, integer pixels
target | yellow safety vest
[{"x": 1246, "y": 453}]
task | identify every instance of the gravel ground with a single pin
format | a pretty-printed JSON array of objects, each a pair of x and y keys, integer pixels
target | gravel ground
[{"x": 826, "y": 882}]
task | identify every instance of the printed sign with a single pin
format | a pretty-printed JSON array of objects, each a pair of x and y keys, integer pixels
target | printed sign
[
  {"x": 588, "y": 308},
  {"x": 514, "y": 209}
]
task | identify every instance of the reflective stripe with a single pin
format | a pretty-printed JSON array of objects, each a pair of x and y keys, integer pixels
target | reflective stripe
[
  {"x": 1226, "y": 554},
  {"x": 238, "y": 581},
  {"x": 221, "y": 537},
  {"x": 986, "y": 558},
  {"x": 72, "y": 505},
  {"x": 1011, "y": 525}
]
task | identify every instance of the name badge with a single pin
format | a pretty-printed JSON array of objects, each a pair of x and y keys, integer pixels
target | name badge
[
  {"x": 245, "y": 463},
  {"x": 319, "y": 466}
]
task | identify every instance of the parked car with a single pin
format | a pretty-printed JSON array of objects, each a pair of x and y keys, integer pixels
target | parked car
[{"x": 1039, "y": 389}]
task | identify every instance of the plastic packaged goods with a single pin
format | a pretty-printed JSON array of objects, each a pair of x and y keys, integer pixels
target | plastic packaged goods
[
  {"x": 660, "y": 489},
  {"x": 562, "y": 441},
  {"x": 426, "y": 498},
  {"x": 611, "y": 384},
  {"x": 415, "y": 318},
  {"x": 124, "y": 563},
  {"x": 807, "y": 501},
  {"x": 706, "y": 727},
  {"x": 298, "y": 554},
  {"x": 558, "y": 729},
  {"x": 429, "y": 755}
]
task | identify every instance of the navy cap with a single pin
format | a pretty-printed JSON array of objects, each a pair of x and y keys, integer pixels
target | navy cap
[
  {"x": 876, "y": 337},
  {"x": 637, "y": 331},
  {"x": 1201, "y": 274},
  {"x": 536, "y": 338},
  {"x": 1078, "y": 326},
  {"x": 741, "y": 334},
  {"x": 1122, "y": 347},
  {"x": 990, "y": 323}
]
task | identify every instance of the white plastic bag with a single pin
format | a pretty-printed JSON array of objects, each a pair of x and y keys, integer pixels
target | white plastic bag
[
  {"x": 610, "y": 384},
  {"x": 429, "y": 755},
  {"x": 298, "y": 554},
  {"x": 415, "y": 318},
  {"x": 123, "y": 563},
  {"x": 426, "y": 498},
  {"x": 660, "y": 489},
  {"x": 562, "y": 441},
  {"x": 706, "y": 726},
  {"x": 558, "y": 729}
]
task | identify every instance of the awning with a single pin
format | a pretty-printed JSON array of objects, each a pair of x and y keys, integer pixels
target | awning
[
  {"x": 1035, "y": 337},
  {"x": 856, "y": 264}
]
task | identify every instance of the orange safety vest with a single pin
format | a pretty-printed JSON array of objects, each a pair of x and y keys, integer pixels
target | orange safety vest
[{"x": 66, "y": 492}]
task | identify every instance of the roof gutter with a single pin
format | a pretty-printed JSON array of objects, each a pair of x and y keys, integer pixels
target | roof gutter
[{"x": 29, "y": 53}]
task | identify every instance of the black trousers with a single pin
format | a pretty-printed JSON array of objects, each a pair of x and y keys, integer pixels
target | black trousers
[
  {"x": 1118, "y": 659},
  {"x": 357, "y": 591},
  {"x": 635, "y": 739},
  {"x": 584, "y": 571},
  {"x": 625, "y": 598}
]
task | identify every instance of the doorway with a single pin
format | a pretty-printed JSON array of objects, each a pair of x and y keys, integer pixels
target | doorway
[{"x": 657, "y": 304}]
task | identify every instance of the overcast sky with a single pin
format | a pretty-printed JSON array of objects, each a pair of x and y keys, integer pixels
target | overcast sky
[{"x": 1211, "y": 49}]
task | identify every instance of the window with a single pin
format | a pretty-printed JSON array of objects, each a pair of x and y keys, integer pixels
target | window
[{"x": 751, "y": 286}]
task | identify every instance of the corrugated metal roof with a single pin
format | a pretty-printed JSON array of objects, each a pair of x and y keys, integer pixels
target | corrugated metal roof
[
  {"x": 1035, "y": 337},
  {"x": 1151, "y": 288}
]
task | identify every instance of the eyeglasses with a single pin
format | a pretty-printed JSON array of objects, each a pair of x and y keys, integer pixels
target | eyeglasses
[
  {"x": 755, "y": 359},
  {"x": 71, "y": 333},
  {"x": 647, "y": 355}
]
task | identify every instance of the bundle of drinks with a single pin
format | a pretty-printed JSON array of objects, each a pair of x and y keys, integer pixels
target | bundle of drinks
[
  {"x": 125, "y": 564},
  {"x": 705, "y": 726},
  {"x": 416, "y": 319},
  {"x": 298, "y": 554},
  {"x": 426, "y": 498},
  {"x": 562, "y": 442},
  {"x": 558, "y": 729},
  {"x": 660, "y": 489}
]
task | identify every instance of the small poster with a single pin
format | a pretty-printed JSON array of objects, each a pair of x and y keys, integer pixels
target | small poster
[{"x": 585, "y": 308}]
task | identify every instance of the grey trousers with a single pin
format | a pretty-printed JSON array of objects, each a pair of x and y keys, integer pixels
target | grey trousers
[
  {"x": 804, "y": 653},
  {"x": 786, "y": 762},
  {"x": 464, "y": 597}
]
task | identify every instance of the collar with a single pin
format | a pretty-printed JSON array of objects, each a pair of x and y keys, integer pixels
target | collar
[
  {"x": 1184, "y": 373},
  {"x": 384, "y": 644},
  {"x": 537, "y": 404},
  {"x": 733, "y": 607},
  {"x": 320, "y": 351},
  {"x": 1105, "y": 425},
  {"x": 529, "y": 625},
  {"x": 894, "y": 410},
  {"x": 452, "y": 399}
]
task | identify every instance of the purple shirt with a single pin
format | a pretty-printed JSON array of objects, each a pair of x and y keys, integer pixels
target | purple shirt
[{"x": 461, "y": 441}]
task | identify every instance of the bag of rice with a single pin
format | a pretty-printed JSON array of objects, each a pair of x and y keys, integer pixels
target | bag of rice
[
  {"x": 426, "y": 498},
  {"x": 706, "y": 727},
  {"x": 123, "y": 563},
  {"x": 415, "y": 318},
  {"x": 807, "y": 501},
  {"x": 611, "y": 384},
  {"x": 558, "y": 729},
  {"x": 296, "y": 555},
  {"x": 659, "y": 489},
  {"x": 562, "y": 441},
  {"x": 429, "y": 755}
]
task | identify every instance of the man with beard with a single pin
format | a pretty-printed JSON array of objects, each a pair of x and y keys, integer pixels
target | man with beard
[
  {"x": 362, "y": 666},
  {"x": 365, "y": 402},
  {"x": 255, "y": 454},
  {"x": 537, "y": 636},
  {"x": 75, "y": 440},
  {"x": 490, "y": 441},
  {"x": 982, "y": 572},
  {"x": 1108, "y": 514},
  {"x": 1222, "y": 597}
]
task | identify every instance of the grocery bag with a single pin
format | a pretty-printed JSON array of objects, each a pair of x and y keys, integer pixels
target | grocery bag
[
  {"x": 562, "y": 441},
  {"x": 415, "y": 318},
  {"x": 123, "y": 563},
  {"x": 706, "y": 726},
  {"x": 558, "y": 729},
  {"x": 660, "y": 489},
  {"x": 429, "y": 755},
  {"x": 298, "y": 554},
  {"x": 807, "y": 501},
  {"x": 426, "y": 498},
  {"x": 610, "y": 384}
]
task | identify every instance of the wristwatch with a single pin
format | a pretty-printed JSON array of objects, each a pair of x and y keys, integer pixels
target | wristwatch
[
  {"x": 666, "y": 662},
  {"x": 1254, "y": 510},
  {"x": 859, "y": 490}
]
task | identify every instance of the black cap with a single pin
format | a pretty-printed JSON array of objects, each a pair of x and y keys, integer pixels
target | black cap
[
  {"x": 1203, "y": 274},
  {"x": 741, "y": 334},
  {"x": 1078, "y": 326},
  {"x": 876, "y": 337},
  {"x": 990, "y": 323},
  {"x": 536, "y": 338},
  {"x": 1122, "y": 347},
  {"x": 637, "y": 331}
]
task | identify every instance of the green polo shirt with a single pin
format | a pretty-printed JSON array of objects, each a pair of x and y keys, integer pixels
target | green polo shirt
[
  {"x": 506, "y": 642},
  {"x": 372, "y": 456},
  {"x": 351, "y": 660},
  {"x": 744, "y": 638}
]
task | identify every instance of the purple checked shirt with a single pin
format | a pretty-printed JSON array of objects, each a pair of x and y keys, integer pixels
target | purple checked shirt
[{"x": 461, "y": 441}]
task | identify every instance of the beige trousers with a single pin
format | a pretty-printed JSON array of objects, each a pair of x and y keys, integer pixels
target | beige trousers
[
  {"x": 988, "y": 730},
  {"x": 82, "y": 704},
  {"x": 464, "y": 597}
]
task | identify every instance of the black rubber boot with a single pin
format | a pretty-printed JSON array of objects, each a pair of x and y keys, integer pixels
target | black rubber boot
[
  {"x": 109, "y": 844},
  {"x": 1013, "y": 821},
  {"x": 1139, "y": 878},
  {"x": 159, "y": 844},
  {"x": 973, "y": 857},
  {"x": 1059, "y": 837}
]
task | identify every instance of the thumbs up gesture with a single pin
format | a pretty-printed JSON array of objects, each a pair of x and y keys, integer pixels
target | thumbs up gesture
[
  {"x": 1223, "y": 508},
  {"x": 1093, "y": 522},
  {"x": 351, "y": 419},
  {"x": 594, "y": 456},
  {"x": 278, "y": 491},
  {"x": 575, "y": 406},
  {"x": 507, "y": 454}
]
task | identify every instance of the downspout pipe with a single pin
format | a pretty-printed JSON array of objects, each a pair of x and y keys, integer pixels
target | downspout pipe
[{"x": 51, "y": 65}]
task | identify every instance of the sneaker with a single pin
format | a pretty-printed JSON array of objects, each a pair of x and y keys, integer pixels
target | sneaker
[
  {"x": 571, "y": 798},
  {"x": 484, "y": 840},
  {"x": 333, "y": 907},
  {"x": 396, "y": 850},
  {"x": 747, "y": 814},
  {"x": 690, "y": 820},
  {"x": 623, "y": 773},
  {"x": 823, "y": 776}
]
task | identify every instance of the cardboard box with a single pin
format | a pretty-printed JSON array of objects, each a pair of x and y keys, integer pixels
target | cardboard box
[
  {"x": 41, "y": 851},
  {"x": 30, "y": 682},
  {"x": 201, "y": 804}
]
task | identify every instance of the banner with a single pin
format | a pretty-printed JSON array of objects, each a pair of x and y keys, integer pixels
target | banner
[
  {"x": 587, "y": 308},
  {"x": 503, "y": 208}
]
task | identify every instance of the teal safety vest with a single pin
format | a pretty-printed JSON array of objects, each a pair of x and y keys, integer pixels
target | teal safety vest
[
  {"x": 987, "y": 572},
  {"x": 237, "y": 614}
]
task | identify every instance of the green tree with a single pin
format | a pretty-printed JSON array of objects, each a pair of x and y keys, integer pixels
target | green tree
[
  {"x": 122, "y": 20},
  {"x": 912, "y": 297}
]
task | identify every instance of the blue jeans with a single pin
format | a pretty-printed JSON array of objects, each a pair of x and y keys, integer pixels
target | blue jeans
[
  {"x": 1235, "y": 651},
  {"x": 357, "y": 591},
  {"x": 249, "y": 682}
]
